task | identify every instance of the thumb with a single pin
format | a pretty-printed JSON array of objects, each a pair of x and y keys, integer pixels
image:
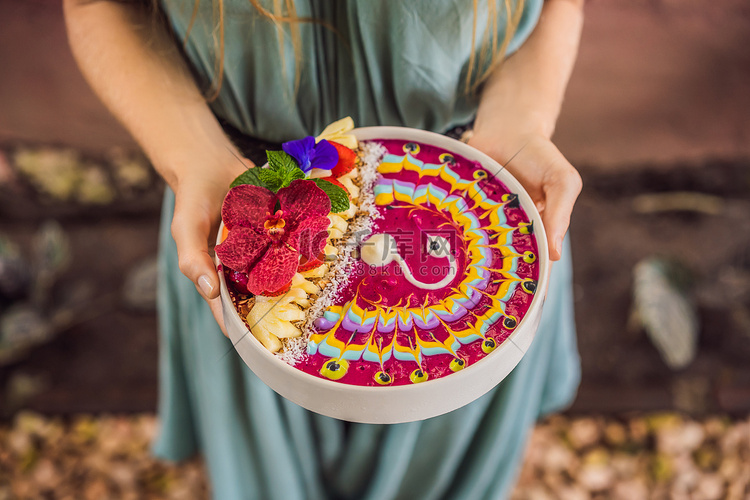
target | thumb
[
  {"x": 191, "y": 229},
  {"x": 561, "y": 189}
]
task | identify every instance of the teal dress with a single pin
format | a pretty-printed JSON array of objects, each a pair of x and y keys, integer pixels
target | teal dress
[{"x": 389, "y": 63}]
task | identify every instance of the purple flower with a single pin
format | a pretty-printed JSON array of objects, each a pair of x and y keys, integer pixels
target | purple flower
[{"x": 309, "y": 155}]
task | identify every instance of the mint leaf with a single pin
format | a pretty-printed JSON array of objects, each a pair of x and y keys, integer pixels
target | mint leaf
[
  {"x": 270, "y": 179},
  {"x": 281, "y": 171},
  {"x": 285, "y": 167},
  {"x": 250, "y": 176},
  {"x": 279, "y": 161},
  {"x": 290, "y": 175},
  {"x": 259, "y": 176},
  {"x": 339, "y": 198}
]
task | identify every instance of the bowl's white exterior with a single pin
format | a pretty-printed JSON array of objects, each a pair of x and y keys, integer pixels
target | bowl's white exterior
[{"x": 396, "y": 404}]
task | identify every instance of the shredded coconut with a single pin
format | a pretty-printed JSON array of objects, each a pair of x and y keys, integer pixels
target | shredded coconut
[
  {"x": 293, "y": 350},
  {"x": 371, "y": 154}
]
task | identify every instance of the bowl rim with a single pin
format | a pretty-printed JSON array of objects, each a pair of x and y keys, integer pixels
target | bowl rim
[{"x": 505, "y": 177}]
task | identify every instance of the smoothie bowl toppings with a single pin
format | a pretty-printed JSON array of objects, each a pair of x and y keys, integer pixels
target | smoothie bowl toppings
[{"x": 376, "y": 263}]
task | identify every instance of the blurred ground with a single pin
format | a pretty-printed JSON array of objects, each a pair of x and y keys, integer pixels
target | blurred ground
[
  {"x": 659, "y": 456},
  {"x": 90, "y": 458},
  {"x": 654, "y": 457}
]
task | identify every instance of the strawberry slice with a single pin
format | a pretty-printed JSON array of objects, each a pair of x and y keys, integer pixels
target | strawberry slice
[
  {"x": 334, "y": 180},
  {"x": 278, "y": 292},
  {"x": 306, "y": 265},
  {"x": 347, "y": 160}
]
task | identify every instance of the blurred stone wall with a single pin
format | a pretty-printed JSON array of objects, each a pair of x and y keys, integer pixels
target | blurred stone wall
[{"x": 657, "y": 81}]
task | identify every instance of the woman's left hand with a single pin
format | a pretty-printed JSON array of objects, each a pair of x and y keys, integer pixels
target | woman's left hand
[{"x": 551, "y": 181}]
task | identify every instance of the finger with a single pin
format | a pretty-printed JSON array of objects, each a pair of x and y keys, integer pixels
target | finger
[
  {"x": 217, "y": 311},
  {"x": 191, "y": 230},
  {"x": 561, "y": 187}
]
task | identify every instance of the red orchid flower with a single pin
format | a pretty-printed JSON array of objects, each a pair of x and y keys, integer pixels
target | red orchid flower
[{"x": 268, "y": 232}]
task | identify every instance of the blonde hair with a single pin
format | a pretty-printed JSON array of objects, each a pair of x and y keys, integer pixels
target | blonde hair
[
  {"x": 491, "y": 52},
  {"x": 490, "y": 42}
]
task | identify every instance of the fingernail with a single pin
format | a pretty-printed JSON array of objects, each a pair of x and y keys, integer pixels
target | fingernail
[
  {"x": 205, "y": 285},
  {"x": 558, "y": 245}
]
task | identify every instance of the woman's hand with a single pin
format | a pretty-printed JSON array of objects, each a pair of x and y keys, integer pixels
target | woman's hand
[
  {"x": 547, "y": 176},
  {"x": 134, "y": 66},
  {"x": 518, "y": 109},
  {"x": 199, "y": 194}
]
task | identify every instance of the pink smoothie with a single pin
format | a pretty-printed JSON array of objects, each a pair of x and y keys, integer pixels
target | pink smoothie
[{"x": 386, "y": 286}]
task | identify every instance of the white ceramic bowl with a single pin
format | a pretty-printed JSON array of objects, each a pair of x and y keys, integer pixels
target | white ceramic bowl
[{"x": 403, "y": 403}]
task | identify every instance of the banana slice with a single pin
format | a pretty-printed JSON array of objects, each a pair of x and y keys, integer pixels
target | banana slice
[
  {"x": 349, "y": 213},
  {"x": 269, "y": 321},
  {"x": 316, "y": 272},
  {"x": 330, "y": 250},
  {"x": 271, "y": 317},
  {"x": 299, "y": 282},
  {"x": 338, "y": 226},
  {"x": 337, "y": 132},
  {"x": 350, "y": 186}
]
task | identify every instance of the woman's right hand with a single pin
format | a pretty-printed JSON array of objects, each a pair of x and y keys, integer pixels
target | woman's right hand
[
  {"x": 199, "y": 194},
  {"x": 137, "y": 70}
]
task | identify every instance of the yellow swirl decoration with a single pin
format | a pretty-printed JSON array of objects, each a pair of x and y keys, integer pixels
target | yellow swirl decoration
[
  {"x": 488, "y": 345},
  {"x": 334, "y": 369},
  {"x": 382, "y": 378},
  {"x": 418, "y": 376},
  {"x": 457, "y": 364}
]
